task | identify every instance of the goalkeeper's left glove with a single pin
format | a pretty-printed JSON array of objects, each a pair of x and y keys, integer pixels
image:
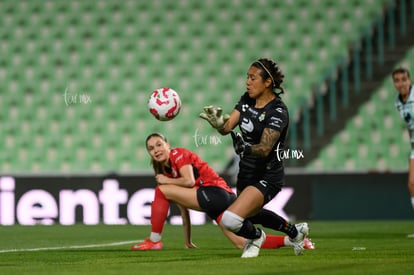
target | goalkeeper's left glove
[
  {"x": 240, "y": 146},
  {"x": 214, "y": 116}
]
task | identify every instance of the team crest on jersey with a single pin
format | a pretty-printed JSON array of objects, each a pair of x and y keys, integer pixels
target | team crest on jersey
[
  {"x": 245, "y": 107},
  {"x": 262, "y": 116}
]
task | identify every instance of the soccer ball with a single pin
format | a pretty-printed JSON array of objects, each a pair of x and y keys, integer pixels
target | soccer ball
[{"x": 164, "y": 104}]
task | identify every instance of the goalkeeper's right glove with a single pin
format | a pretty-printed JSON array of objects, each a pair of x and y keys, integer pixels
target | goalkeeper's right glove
[
  {"x": 214, "y": 116},
  {"x": 240, "y": 146}
]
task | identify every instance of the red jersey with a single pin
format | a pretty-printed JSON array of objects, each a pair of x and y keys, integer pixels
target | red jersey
[{"x": 204, "y": 175}]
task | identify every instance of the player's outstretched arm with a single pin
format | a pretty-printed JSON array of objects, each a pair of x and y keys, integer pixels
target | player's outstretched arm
[
  {"x": 222, "y": 123},
  {"x": 214, "y": 116},
  {"x": 186, "y": 226}
]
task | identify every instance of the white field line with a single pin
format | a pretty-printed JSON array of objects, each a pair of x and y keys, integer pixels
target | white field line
[{"x": 69, "y": 247}]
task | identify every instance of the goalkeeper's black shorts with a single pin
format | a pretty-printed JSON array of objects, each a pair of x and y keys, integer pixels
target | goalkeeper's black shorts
[
  {"x": 269, "y": 183},
  {"x": 214, "y": 200}
]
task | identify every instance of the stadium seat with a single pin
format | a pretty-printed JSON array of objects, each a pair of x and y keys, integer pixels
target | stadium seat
[
  {"x": 379, "y": 129},
  {"x": 116, "y": 53}
]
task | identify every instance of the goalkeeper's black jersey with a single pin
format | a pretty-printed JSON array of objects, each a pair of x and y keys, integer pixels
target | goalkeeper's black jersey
[{"x": 252, "y": 122}]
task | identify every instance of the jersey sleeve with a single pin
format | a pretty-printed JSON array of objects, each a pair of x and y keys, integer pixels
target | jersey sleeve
[
  {"x": 244, "y": 99},
  {"x": 180, "y": 157},
  {"x": 278, "y": 119}
]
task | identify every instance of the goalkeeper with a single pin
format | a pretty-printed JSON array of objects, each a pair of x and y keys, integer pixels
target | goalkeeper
[{"x": 263, "y": 119}]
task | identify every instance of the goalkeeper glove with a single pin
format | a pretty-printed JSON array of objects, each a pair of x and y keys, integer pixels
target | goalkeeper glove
[
  {"x": 240, "y": 146},
  {"x": 214, "y": 116}
]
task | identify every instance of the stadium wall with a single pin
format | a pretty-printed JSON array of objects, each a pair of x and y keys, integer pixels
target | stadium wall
[{"x": 126, "y": 199}]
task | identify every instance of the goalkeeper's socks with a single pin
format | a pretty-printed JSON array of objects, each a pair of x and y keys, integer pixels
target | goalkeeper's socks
[
  {"x": 290, "y": 230},
  {"x": 159, "y": 211},
  {"x": 272, "y": 220},
  {"x": 268, "y": 219},
  {"x": 249, "y": 231}
]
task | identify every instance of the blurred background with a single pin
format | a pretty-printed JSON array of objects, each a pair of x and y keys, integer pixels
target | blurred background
[{"x": 75, "y": 77}]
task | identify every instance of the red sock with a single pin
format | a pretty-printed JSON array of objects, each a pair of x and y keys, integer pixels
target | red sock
[
  {"x": 273, "y": 241},
  {"x": 159, "y": 211}
]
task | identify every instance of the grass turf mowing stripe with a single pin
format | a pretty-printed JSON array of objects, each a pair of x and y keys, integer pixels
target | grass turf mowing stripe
[{"x": 69, "y": 247}]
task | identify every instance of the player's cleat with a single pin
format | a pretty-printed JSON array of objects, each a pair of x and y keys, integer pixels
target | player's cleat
[
  {"x": 298, "y": 245},
  {"x": 410, "y": 236},
  {"x": 252, "y": 247},
  {"x": 308, "y": 244},
  {"x": 147, "y": 245}
]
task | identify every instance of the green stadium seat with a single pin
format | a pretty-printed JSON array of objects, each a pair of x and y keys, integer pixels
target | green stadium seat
[
  {"x": 118, "y": 52},
  {"x": 379, "y": 130}
]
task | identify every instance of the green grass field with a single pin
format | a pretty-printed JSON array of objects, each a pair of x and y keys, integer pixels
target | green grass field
[{"x": 346, "y": 247}]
